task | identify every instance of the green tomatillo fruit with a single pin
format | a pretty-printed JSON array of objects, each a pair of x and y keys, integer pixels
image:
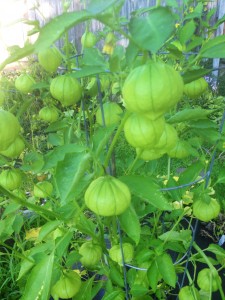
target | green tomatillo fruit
[
  {"x": 112, "y": 114},
  {"x": 188, "y": 293},
  {"x": 180, "y": 150},
  {"x": 67, "y": 286},
  {"x": 195, "y": 88},
  {"x": 88, "y": 39},
  {"x": 142, "y": 132},
  {"x": 205, "y": 208},
  {"x": 107, "y": 196},
  {"x": 48, "y": 114},
  {"x": 153, "y": 88},
  {"x": 168, "y": 139},
  {"x": 15, "y": 148},
  {"x": 91, "y": 254},
  {"x": 115, "y": 253},
  {"x": 149, "y": 154},
  {"x": 50, "y": 59},
  {"x": 66, "y": 89},
  {"x": 24, "y": 83},
  {"x": 11, "y": 179},
  {"x": 9, "y": 129},
  {"x": 208, "y": 280}
]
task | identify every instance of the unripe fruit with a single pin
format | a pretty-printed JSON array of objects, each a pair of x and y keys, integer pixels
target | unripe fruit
[
  {"x": 50, "y": 59},
  {"x": 66, "y": 89},
  {"x": 153, "y": 88},
  {"x": 112, "y": 114},
  {"x": 91, "y": 254},
  {"x": 195, "y": 88},
  {"x": 142, "y": 132},
  {"x": 14, "y": 149},
  {"x": 9, "y": 129},
  {"x": 107, "y": 196},
  {"x": 88, "y": 39},
  {"x": 206, "y": 280},
  {"x": 116, "y": 255},
  {"x": 10, "y": 179},
  {"x": 48, "y": 114},
  {"x": 24, "y": 83},
  {"x": 67, "y": 286}
]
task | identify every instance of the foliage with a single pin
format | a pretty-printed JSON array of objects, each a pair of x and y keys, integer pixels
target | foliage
[{"x": 116, "y": 163}]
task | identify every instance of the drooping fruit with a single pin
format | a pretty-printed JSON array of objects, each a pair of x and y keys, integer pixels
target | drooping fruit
[
  {"x": 207, "y": 280},
  {"x": 153, "y": 88},
  {"x": 115, "y": 253},
  {"x": 10, "y": 179},
  {"x": 112, "y": 114},
  {"x": 142, "y": 132},
  {"x": 88, "y": 39},
  {"x": 205, "y": 208},
  {"x": 24, "y": 83},
  {"x": 67, "y": 286},
  {"x": 9, "y": 129},
  {"x": 195, "y": 88},
  {"x": 91, "y": 254},
  {"x": 66, "y": 89},
  {"x": 48, "y": 114},
  {"x": 107, "y": 196},
  {"x": 14, "y": 149},
  {"x": 50, "y": 59},
  {"x": 188, "y": 293}
]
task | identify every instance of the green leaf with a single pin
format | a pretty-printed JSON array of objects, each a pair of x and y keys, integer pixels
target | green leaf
[
  {"x": 146, "y": 189},
  {"x": 214, "y": 48},
  {"x": 130, "y": 224},
  {"x": 25, "y": 266},
  {"x": 138, "y": 290},
  {"x": 153, "y": 275},
  {"x": 85, "y": 292},
  {"x": 203, "y": 124},
  {"x": 46, "y": 229},
  {"x": 89, "y": 71},
  {"x": 221, "y": 177},
  {"x": 151, "y": 32},
  {"x": 195, "y": 42},
  {"x": 210, "y": 135},
  {"x": 101, "y": 138},
  {"x": 115, "y": 275},
  {"x": 186, "y": 32},
  {"x": 184, "y": 235},
  {"x": 167, "y": 269},
  {"x": 88, "y": 60},
  {"x": 18, "y": 54},
  {"x": 192, "y": 75},
  {"x": 58, "y": 154},
  {"x": 189, "y": 114},
  {"x": 197, "y": 13},
  {"x": 39, "y": 281},
  {"x": 53, "y": 30},
  {"x": 70, "y": 176},
  {"x": 191, "y": 173},
  {"x": 62, "y": 243},
  {"x": 113, "y": 295},
  {"x": 85, "y": 225}
]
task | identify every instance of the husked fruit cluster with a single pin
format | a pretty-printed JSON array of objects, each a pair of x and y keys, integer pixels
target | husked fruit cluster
[{"x": 149, "y": 92}]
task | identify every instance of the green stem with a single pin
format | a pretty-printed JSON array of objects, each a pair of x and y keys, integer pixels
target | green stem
[
  {"x": 46, "y": 214},
  {"x": 115, "y": 138},
  {"x": 212, "y": 268},
  {"x": 168, "y": 167},
  {"x": 133, "y": 164}
]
